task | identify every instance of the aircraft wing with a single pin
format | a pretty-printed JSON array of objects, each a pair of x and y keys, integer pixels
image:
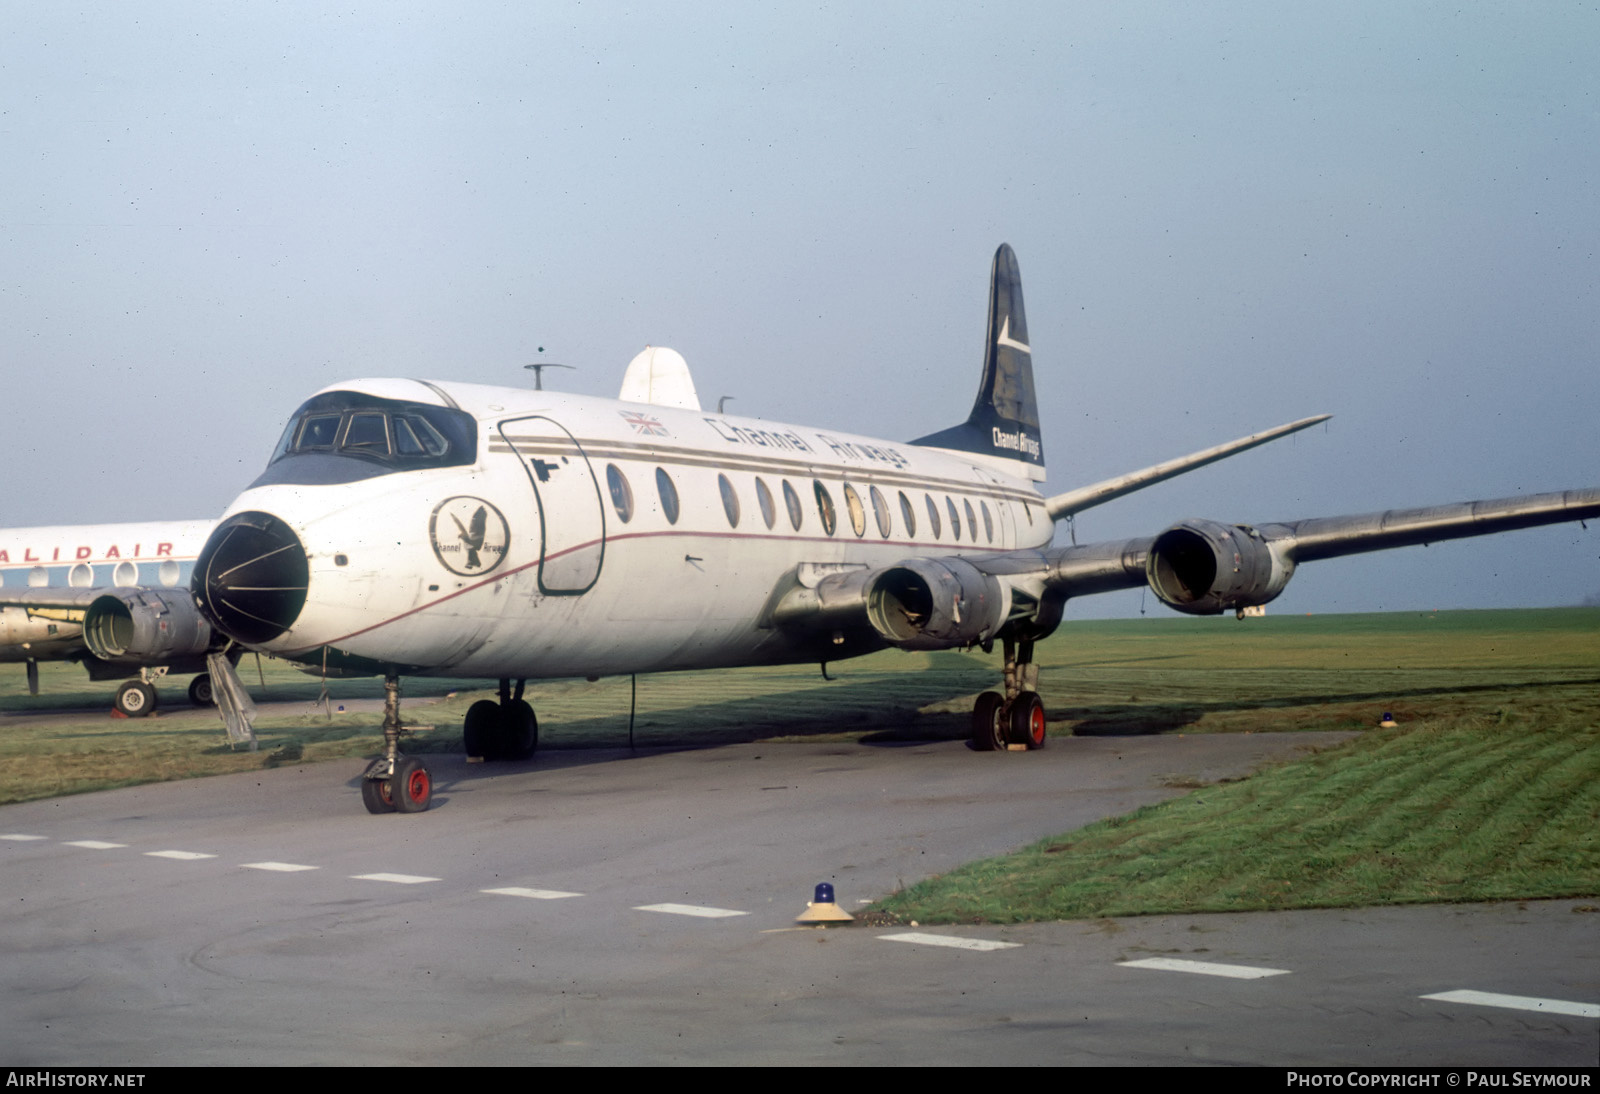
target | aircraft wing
[
  {"x": 133, "y": 624},
  {"x": 45, "y": 597},
  {"x": 1199, "y": 567}
]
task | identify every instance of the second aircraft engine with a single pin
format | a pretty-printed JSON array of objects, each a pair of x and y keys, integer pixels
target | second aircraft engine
[{"x": 145, "y": 626}]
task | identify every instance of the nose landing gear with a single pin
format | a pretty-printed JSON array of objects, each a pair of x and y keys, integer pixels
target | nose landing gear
[
  {"x": 1015, "y": 719},
  {"x": 507, "y": 730},
  {"x": 394, "y": 783}
]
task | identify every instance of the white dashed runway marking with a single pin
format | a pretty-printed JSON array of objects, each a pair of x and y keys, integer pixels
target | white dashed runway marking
[
  {"x": 689, "y": 909},
  {"x": 1204, "y": 968},
  {"x": 182, "y": 856},
  {"x": 531, "y": 894},
  {"x": 1518, "y": 1002},
  {"x": 94, "y": 844},
  {"x": 948, "y": 941},
  {"x": 18, "y": 836},
  {"x": 279, "y": 867},
  {"x": 396, "y": 879}
]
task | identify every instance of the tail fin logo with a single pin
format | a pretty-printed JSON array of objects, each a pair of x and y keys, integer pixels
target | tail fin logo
[{"x": 1004, "y": 338}]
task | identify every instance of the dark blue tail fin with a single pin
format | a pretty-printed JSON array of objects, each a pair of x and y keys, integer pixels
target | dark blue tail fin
[{"x": 1004, "y": 423}]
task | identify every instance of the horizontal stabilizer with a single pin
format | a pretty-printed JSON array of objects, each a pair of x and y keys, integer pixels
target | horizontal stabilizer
[{"x": 1087, "y": 497}]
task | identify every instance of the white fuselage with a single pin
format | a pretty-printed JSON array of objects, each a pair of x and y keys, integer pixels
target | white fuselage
[
  {"x": 149, "y": 554},
  {"x": 558, "y": 553}
]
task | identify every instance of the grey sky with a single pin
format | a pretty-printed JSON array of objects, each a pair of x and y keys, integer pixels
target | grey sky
[{"x": 1227, "y": 216}]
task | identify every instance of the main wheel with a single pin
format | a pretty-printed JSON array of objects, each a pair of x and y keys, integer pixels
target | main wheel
[
  {"x": 1027, "y": 720},
  {"x": 413, "y": 786},
  {"x": 135, "y": 699},
  {"x": 519, "y": 730},
  {"x": 480, "y": 730},
  {"x": 988, "y": 722},
  {"x": 200, "y": 690},
  {"x": 376, "y": 794}
]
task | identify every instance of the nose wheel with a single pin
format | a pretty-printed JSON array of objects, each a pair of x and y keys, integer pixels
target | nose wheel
[{"x": 394, "y": 783}]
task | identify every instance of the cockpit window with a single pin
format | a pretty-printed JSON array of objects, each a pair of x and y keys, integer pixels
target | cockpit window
[
  {"x": 366, "y": 434},
  {"x": 342, "y": 436},
  {"x": 317, "y": 432},
  {"x": 413, "y": 436}
]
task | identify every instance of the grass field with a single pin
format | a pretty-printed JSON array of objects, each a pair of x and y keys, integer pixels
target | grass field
[{"x": 1490, "y": 787}]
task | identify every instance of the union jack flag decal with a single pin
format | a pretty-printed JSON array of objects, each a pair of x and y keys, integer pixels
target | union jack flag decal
[{"x": 643, "y": 423}]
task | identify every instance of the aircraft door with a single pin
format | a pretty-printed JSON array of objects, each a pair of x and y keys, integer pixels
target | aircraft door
[
  {"x": 1004, "y": 516},
  {"x": 571, "y": 508}
]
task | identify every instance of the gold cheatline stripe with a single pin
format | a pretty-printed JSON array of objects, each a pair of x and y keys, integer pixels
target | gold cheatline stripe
[{"x": 816, "y": 469}]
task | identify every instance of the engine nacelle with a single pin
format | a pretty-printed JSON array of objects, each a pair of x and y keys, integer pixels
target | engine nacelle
[
  {"x": 935, "y": 604},
  {"x": 145, "y": 626},
  {"x": 1204, "y": 568}
]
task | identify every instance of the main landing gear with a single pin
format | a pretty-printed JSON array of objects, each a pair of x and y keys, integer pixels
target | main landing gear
[
  {"x": 506, "y": 730},
  {"x": 394, "y": 783},
  {"x": 138, "y": 698},
  {"x": 1017, "y": 717}
]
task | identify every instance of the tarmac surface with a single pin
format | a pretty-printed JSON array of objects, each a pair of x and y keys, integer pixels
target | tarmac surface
[{"x": 601, "y": 907}]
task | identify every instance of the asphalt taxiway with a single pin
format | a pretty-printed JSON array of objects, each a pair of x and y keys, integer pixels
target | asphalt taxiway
[{"x": 597, "y": 907}]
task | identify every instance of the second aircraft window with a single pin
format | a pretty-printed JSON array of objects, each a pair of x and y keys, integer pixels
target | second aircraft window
[{"x": 730, "y": 500}]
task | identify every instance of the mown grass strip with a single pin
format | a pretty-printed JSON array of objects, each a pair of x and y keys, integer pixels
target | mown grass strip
[{"x": 1467, "y": 808}]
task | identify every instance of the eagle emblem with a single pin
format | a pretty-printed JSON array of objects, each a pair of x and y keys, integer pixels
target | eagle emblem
[{"x": 469, "y": 535}]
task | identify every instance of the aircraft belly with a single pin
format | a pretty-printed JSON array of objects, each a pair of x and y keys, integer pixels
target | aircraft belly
[{"x": 661, "y": 604}]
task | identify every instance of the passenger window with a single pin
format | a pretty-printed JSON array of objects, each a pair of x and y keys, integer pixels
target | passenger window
[
  {"x": 955, "y": 518},
  {"x": 880, "y": 509},
  {"x": 730, "y": 500},
  {"x": 972, "y": 520},
  {"x": 791, "y": 502},
  {"x": 909, "y": 514},
  {"x": 933, "y": 515},
  {"x": 669, "y": 495},
  {"x": 825, "y": 507},
  {"x": 769, "y": 512},
  {"x": 621, "y": 493},
  {"x": 988, "y": 521},
  {"x": 858, "y": 515}
]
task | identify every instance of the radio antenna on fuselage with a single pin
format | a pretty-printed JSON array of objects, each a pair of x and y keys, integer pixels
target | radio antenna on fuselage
[{"x": 538, "y": 368}]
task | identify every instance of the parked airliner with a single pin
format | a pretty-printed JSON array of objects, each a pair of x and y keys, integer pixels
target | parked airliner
[
  {"x": 50, "y": 577},
  {"x": 416, "y": 527}
]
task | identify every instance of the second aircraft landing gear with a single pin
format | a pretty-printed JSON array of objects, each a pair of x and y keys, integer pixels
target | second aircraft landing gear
[
  {"x": 395, "y": 783},
  {"x": 506, "y": 730},
  {"x": 1017, "y": 717},
  {"x": 135, "y": 699}
]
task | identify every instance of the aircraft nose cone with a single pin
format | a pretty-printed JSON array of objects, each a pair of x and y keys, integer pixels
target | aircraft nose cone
[{"x": 251, "y": 577}]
